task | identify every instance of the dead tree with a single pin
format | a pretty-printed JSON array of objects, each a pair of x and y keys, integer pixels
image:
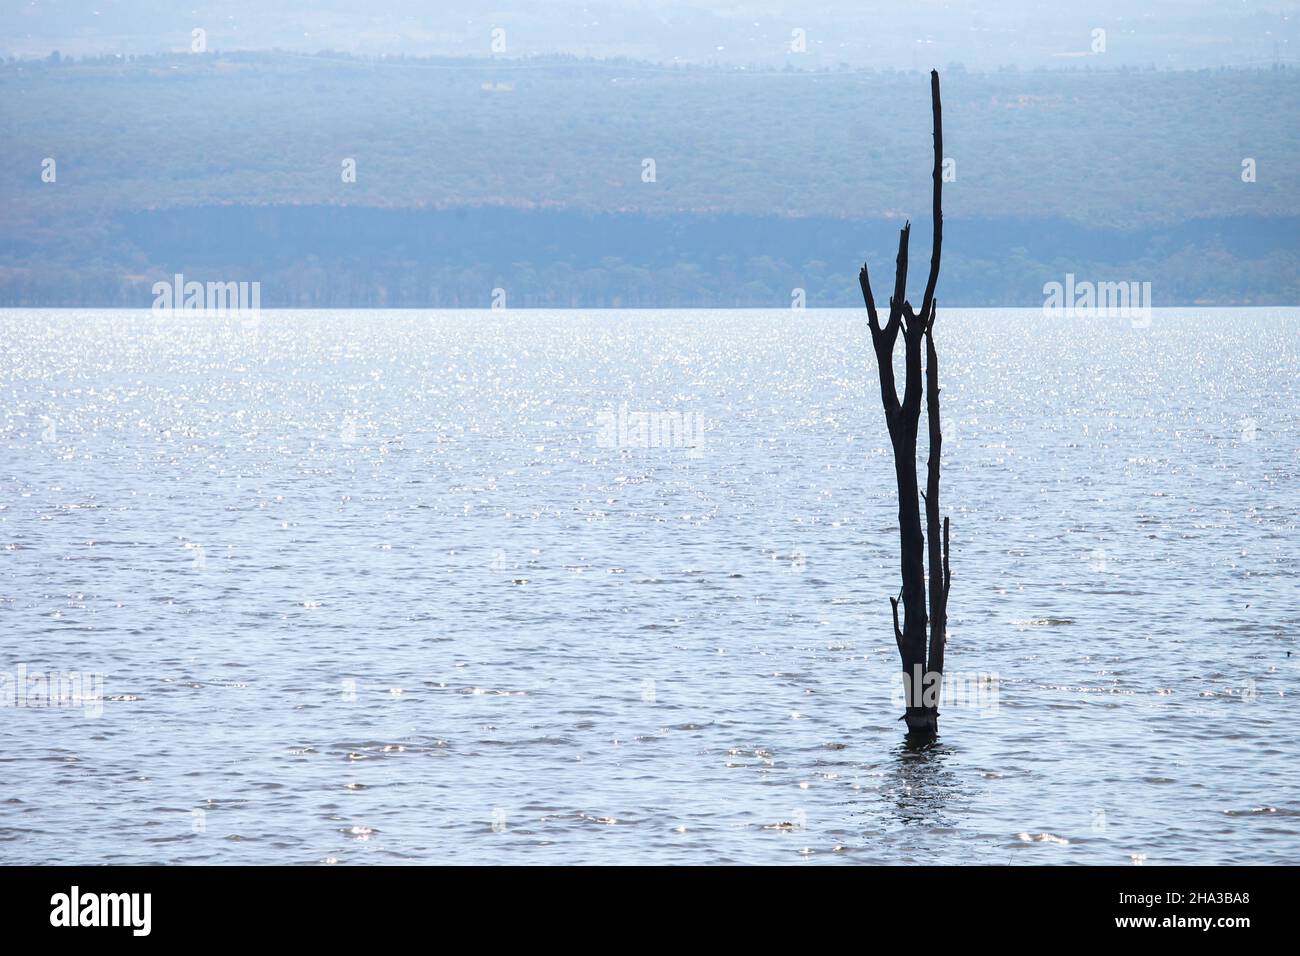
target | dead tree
[{"x": 922, "y": 675}]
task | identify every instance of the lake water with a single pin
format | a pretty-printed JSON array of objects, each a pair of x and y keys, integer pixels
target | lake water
[{"x": 385, "y": 587}]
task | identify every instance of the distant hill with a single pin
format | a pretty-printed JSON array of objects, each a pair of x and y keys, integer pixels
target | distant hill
[
  {"x": 991, "y": 34},
  {"x": 528, "y": 173}
]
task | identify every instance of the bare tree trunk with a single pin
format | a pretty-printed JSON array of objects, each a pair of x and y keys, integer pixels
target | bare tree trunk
[{"x": 922, "y": 676}]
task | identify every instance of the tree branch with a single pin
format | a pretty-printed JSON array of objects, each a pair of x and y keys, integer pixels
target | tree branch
[
  {"x": 938, "y": 550},
  {"x": 864, "y": 281},
  {"x": 947, "y": 574},
  {"x": 927, "y": 303},
  {"x": 882, "y": 340},
  {"x": 897, "y": 300},
  {"x": 913, "y": 332},
  {"x": 898, "y": 633}
]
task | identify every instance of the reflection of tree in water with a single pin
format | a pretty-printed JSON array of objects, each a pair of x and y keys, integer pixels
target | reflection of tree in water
[{"x": 922, "y": 789}]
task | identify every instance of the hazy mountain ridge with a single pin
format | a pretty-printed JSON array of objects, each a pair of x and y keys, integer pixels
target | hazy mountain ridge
[
  {"x": 990, "y": 34},
  {"x": 1120, "y": 148},
  {"x": 1105, "y": 155}
]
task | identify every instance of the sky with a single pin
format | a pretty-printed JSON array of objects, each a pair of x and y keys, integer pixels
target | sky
[{"x": 988, "y": 35}]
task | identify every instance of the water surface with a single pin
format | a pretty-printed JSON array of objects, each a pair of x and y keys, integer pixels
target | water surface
[{"x": 369, "y": 587}]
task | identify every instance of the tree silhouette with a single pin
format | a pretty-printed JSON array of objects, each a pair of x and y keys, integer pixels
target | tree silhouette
[{"x": 922, "y": 677}]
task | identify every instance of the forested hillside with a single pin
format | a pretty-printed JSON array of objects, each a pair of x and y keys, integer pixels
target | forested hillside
[{"x": 532, "y": 175}]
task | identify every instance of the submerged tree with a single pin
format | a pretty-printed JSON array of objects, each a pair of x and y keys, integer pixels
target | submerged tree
[{"x": 922, "y": 675}]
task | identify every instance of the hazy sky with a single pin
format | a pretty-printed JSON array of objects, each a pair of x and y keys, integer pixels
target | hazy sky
[{"x": 912, "y": 34}]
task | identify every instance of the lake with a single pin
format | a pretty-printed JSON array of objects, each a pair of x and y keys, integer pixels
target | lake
[{"x": 609, "y": 587}]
